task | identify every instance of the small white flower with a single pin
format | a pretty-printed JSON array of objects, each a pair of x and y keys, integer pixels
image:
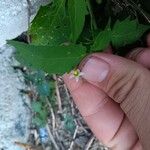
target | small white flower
[{"x": 76, "y": 74}]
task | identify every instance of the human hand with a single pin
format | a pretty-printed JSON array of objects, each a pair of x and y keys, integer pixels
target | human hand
[{"x": 114, "y": 98}]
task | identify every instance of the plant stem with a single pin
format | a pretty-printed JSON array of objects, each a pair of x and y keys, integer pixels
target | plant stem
[{"x": 93, "y": 22}]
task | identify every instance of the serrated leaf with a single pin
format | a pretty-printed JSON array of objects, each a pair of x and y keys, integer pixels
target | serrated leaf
[
  {"x": 102, "y": 40},
  {"x": 77, "y": 11},
  {"x": 58, "y": 59},
  {"x": 50, "y": 26},
  {"x": 126, "y": 32}
]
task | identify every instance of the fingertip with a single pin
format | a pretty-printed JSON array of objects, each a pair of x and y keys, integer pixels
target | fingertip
[
  {"x": 143, "y": 58},
  {"x": 133, "y": 54},
  {"x": 71, "y": 82}
]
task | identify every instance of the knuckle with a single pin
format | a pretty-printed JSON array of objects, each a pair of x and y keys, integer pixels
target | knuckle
[
  {"x": 121, "y": 87},
  {"x": 94, "y": 109}
]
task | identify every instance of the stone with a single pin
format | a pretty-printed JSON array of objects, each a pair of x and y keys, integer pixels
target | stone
[
  {"x": 15, "y": 117},
  {"x": 14, "y": 17},
  {"x": 14, "y": 114}
]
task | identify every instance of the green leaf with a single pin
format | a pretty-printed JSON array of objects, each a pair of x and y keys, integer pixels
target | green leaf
[
  {"x": 43, "y": 88},
  {"x": 43, "y": 114},
  {"x": 39, "y": 76},
  {"x": 40, "y": 117},
  {"x": 36, "y": 106},
  {"x": 102, "y": 40},
  {"x": 58, "y": 59},
  {"x": 35, "y": 77},
  {"x": 99, "y": 1},
  {"x": 123, "y": 33},
  {"x": 126, "y": 32},
  {"x": 69, "y": 123},
  {"x": 77, "y": 11},
  {"x": 38, "y": 121},
  {"x": 51, "y": 25}
]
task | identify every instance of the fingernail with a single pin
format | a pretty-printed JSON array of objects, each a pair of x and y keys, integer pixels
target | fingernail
[{"x": 95, "y": 69}]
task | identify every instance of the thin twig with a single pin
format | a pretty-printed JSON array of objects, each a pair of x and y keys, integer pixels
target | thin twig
[
  {"x": 74, "y": 136},
  {"x": 78, "y": 122},
  {"x": 71, "y": 102},
  {"x": 58, "y": 94},
  {"x": 51, "y": 137},
  {"x": 88, "y": 145},
  {"x": 62, "y": 147},
  {"x": 67, "y": 93},
  {"x": 93, "y": 21},
  {"x": 52, "y": 113},
  {"x": 135, "y": 6}
]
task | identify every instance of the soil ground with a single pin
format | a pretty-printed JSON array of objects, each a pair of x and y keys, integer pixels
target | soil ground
[{"x": 66, "y": 127}]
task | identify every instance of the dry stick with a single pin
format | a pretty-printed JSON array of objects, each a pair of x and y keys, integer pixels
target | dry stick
[
  {"x": 93, "y": 21},
  {"x": 58, "y": 94},
  {"x": 73, "y": 113},
  {"x": 88, "y": 145},
  {"x": 52, "y": 113},
  {"x": 72, "y": 104},
  {"x": 78, "y": 123},
  {"x": 54, "y": 122},
  {"x": 74, "y": 136},
  {"x": 133, "y": 5},
  {"x": 67, "y": 93},
  {"x": 51, "y": 137},
  {"x": 60, "y": 144}
]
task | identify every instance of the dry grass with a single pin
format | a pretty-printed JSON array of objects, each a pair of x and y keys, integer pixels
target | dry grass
[{"x": 61, "y": 138}]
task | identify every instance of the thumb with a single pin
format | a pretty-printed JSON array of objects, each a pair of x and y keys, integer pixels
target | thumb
[{"x": 127, "y": 83}]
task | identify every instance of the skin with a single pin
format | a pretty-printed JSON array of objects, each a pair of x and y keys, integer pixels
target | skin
[{"x": 113, "y": 97}]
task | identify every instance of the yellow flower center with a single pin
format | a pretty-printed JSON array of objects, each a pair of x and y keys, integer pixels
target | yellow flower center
[{"x": 76, "y": 73}]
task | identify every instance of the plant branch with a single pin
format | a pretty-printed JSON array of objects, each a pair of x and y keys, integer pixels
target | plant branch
[{"x": 136, "y": 7}]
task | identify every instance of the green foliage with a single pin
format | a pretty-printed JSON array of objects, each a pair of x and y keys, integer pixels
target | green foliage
[
  {"x": 36, "y": 106},
  {"x": 126, "y": 32},
  {"x": 69, "y": 123},
  {"x": 123, "y": 33},
  {"x": 63, "y": 32},
  {"x": 58, "y": 59},
  {"x": 40, "y": 113},
  {"x": 45, "y": 90},
  {"x": 102, "y": 40},
  {"x": 77, "y": 11},
  {"x": 36, "y": 77},
  {"x": 40, "y": 119},
  {"x": 50, "y": 26}
]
